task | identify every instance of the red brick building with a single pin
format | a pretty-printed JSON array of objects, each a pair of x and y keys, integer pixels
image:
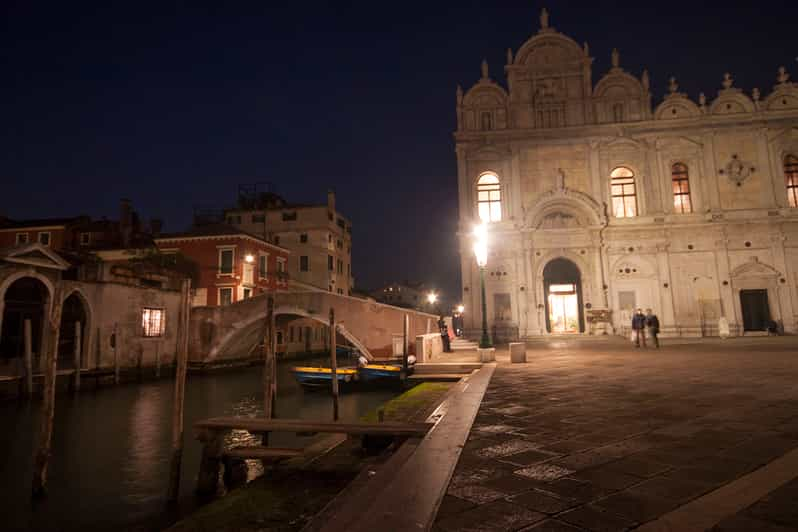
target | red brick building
[
  {"x": 232, "y": 265},
  {"x": 55, "y": 233}
]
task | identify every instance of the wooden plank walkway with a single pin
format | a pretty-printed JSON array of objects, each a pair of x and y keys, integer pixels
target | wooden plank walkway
[{"x": 258, "y": 425}]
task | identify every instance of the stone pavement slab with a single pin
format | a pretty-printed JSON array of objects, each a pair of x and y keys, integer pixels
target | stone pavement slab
[{"x": 599, "y": 436}]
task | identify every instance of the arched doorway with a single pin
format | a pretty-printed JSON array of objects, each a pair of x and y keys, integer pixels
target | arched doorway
[
  {"x": 73, "y": 311},
  {"x": 25, "y": 299},
  {"x": 562, "y": 288}
]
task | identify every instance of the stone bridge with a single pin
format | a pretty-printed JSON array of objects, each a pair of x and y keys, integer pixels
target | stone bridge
[{"x": 233, "y": 331}]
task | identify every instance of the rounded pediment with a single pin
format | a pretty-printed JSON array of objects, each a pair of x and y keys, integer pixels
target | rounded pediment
[
  {"x": 676, "y": 106},
  {"x": 563, "y": 209},
  {"x": 618, "y": 84},
  {"x": 731, "y": 101},
  {"x": 548, "y": 49},
  {"x": 754, "y": 268},
  {"x": 485, "y": 94},
  {"x": 783, "y": 97}
]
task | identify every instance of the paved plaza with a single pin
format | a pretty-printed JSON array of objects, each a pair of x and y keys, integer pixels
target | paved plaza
[{"x": 595, "y": 435}]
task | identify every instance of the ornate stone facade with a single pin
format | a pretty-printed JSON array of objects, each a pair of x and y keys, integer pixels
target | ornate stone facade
[{"x": 686, "y": 208}]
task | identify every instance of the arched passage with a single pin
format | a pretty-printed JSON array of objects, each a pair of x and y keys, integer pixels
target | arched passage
[
  {"x": 74, "y": 311},
  {"x": 562, "y": 288},
  {"x": 26, "y": 298}
]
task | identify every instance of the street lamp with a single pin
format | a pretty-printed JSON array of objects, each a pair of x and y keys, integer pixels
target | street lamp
[
  {"x": 481, "y": 253},
  {"x": 249, "y": 259},
  {"x": 460, "y": 309},
  {"x": 432, "y": 297}
]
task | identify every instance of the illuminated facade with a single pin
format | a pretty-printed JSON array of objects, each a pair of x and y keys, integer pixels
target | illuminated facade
[{"x": 599, "y": 200}]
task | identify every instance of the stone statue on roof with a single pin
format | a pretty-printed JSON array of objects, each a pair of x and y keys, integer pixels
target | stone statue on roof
[
  {"x": 544, "y": 18},
  {"x": 616, "y": 58},
  {"x": 484, "y": 69}
]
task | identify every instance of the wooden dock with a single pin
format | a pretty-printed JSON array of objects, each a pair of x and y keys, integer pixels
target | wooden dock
[{"x": 212, "y": 431}]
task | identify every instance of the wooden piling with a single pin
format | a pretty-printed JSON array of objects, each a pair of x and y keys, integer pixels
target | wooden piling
[
  {"x": 405, "y": 348},
  {"x": 115, "y": 347},
  {"x": 28, "y": 359},
  {"x": 157, "y": 359},
  {"x": 77, "y": 354},
  {"x": 269, "y": 363},
  {"x": 180, "y": 391},
  {"x": 42, "y": 456},
  {"x": 333, "y": 364}
]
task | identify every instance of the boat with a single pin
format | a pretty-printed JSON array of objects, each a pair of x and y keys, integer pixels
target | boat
[
  {"x": 316, "y": 376},
  {"x": 380, "y": 373}
]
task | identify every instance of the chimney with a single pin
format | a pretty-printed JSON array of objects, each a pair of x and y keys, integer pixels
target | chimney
[
  {"x": 331, "y": 200},
  {"x": 156, "y": 224},
  {"x": 125, "y": 221}
]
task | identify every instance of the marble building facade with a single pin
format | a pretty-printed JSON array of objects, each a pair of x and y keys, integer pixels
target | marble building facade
[{"x": 599, "y": 200}]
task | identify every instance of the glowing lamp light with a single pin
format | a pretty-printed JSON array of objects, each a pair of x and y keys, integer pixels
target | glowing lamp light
[
  {"x": 460, "y": 308},
  {"x": 432, "y": 297},
  {"x": 250, "y": 259},
  {"x": 481, "y": 245}
]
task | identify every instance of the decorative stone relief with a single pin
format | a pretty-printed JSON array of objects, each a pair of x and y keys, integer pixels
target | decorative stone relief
[{"x": 737, "y": 171}]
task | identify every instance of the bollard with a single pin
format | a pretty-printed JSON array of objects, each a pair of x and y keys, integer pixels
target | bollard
[{"x": 517, "y": 352}]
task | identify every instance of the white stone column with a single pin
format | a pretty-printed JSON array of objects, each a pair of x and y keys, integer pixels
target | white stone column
[
  {"x": 780, "y": 263},
  {"x": 726, "y": 291},
  {"x": 763, "y": 168}
]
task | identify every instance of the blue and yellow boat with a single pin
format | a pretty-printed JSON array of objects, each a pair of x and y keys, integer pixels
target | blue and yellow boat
[
  {"x": 380, "y": 373},
  {"x": 315, "y": 376}
]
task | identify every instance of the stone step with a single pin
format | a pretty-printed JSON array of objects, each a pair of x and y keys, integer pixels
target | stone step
[
  {"x": 464, "y": 347},
  {"x": 446, "y": 368}
]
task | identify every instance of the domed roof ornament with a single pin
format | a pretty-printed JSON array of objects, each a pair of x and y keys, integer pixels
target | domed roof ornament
[
  {"x": 615, "y": 58},
  {"x": 586, "y": 49},
  {"x": 672, "y": 85},
  {"x": 728, "y": 81},
  {"x": 459, "y": 95},
  {"x": 544, "y": 19},
  {"x": 645, "y": 81},
  {"x": 782, "y": 76},
  {"x": 509, "y": 56},
  {"x": 485, "y": 69}
]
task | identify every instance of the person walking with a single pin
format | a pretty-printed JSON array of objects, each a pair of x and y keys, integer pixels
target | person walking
[
  {"x": 652, "y": 323},
  {"x": 639, "y": 327}
]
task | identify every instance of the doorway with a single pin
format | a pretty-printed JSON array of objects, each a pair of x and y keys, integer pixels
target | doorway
[
  {"x": 562, "y": 284},
  {"x": 755, "y": 309}
]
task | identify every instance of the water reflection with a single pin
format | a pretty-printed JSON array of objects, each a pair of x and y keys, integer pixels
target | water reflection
[{"x": 111, "y": 448}]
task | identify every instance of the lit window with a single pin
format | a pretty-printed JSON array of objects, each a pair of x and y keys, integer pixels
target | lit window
[
  {"x": 44, "y": 238},
  {"x": 226, "y": 261},
  {"x": 562, "y": 289},
  {"x": 85, "y": 239},
  {"x": 681, "y": 189},
  {"x": 262, "y": 268},
  {"x": 489, "y": 198},
  {"x": 624, "y": 197},
  {"x": 225, "y": 296},
  {"x": 153, "y": 322},
  {"x": 791, "y": 177}
]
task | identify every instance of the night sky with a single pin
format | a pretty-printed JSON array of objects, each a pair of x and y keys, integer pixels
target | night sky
[{"x": 174, "y": 105}]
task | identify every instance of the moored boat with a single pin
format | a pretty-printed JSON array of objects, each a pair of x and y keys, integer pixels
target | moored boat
[
  {"x": 380, "y": 372},
  {"x": 317, "y": 376}
]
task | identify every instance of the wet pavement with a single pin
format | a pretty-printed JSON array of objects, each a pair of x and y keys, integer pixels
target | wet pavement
[{"x": 593, "y": 434}]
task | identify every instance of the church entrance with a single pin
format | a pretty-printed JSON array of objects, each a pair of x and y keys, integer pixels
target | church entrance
[
  {"x": 756, "y": 312},
  {"x": 563, "y": 295}
]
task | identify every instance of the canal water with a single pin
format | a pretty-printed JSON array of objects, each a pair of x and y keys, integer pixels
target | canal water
[{"x": 111, "y": 447}]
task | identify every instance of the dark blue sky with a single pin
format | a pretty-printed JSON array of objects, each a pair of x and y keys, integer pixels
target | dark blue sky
[{"x": 174, "y": 104}]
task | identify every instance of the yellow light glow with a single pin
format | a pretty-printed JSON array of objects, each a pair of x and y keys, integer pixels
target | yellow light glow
[
  {"x": 481, "y": 244},
  {"x": 460, "y": 308},
  {"x": 432, "y": 297},
  {"x": 250, "y": 259}
]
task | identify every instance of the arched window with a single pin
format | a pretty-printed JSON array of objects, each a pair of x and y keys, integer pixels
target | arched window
[
  {"x": 681, "y": 189},
  {"x": 489, "y": 198},
  {"x": 624, "y": 196},
  {"x": 791, "y": 178}
]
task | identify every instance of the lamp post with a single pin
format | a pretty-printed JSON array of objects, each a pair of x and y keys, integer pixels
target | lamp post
[{"x": 481, "y": 253}]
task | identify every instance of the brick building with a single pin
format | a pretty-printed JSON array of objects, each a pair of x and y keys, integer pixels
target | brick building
[{"x": 232, "y": 265}]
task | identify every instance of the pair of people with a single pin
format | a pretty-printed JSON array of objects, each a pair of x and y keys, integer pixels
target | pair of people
[{"x": 641, "y": 322}]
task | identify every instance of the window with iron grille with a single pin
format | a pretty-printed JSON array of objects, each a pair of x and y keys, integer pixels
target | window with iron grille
[
  {"x": 153, "y": 321},
  {"x": 624, "y": 195},
  {"x": 681, "y": 189},
  {"x": 791, "y": 178}
]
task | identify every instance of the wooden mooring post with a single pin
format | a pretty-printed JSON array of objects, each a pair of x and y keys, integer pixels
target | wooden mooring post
[
  {"x": 28, "y": 359},
  {"x": 115, "y": 348},
  {"x": 333, "y": 364},
  {"x": 41, "y": 458},
  {"x": 269, "y": 364},
  {"x": 77, "y": 353},
  {"x": 405, "y": 347},
  {"x": 181, "y": 363}
]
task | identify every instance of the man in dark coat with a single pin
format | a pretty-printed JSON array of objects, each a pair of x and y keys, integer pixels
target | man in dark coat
[
  {"x": 639, "y": 327},
  {"x": 652, "y": 323}
]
